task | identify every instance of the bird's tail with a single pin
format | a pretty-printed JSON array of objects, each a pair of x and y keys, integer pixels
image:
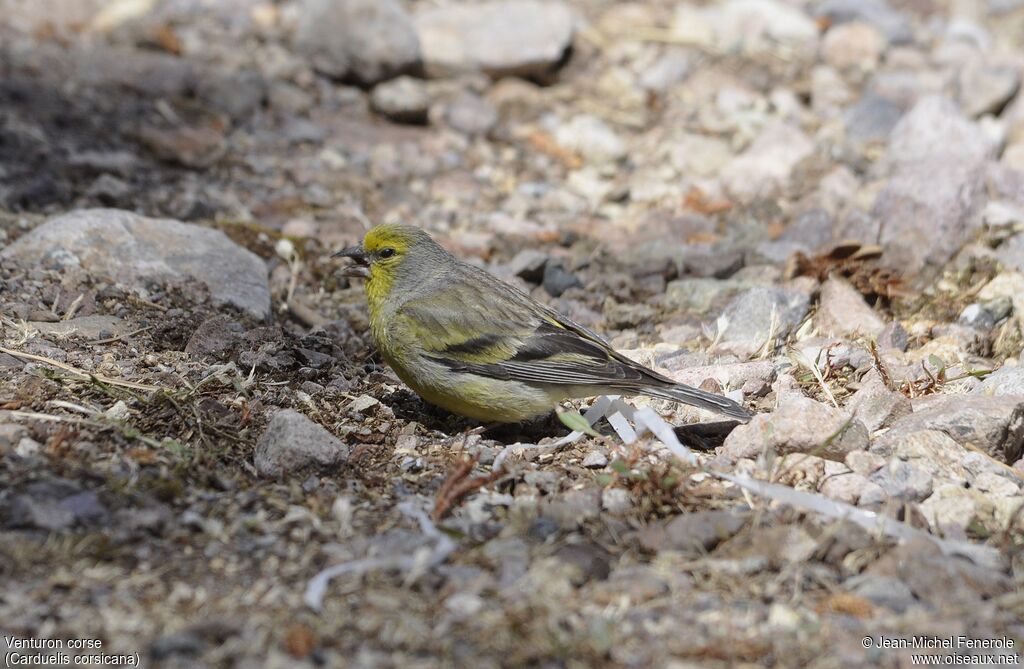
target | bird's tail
[{"x": 699, "y": 398}]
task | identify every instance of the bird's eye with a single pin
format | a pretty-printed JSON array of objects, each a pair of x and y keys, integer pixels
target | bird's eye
[{"x": 387, "y": 253}]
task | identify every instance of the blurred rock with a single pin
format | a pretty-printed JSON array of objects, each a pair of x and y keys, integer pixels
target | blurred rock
[
  {"x": 404, "y": 100},
  {"x": 765, "y": 167},
  {"x": 856, "y": 44},
  {"x": 529, "y": 265},
  {"x": 871, "y": 120},
  {"x": 984, "y": 89},
  {"x": 471, "y": 115},
  {"x": 901, "y": 480},
  {"x": 842, "y": 312},
  {"x": 693, "y": 533},
  {"x": 931, "y": 205},
  {"x": 53, "y": 505},
  {"x": 953, "y": 508},
  {"x": 501, "y": 38},
  {"x": 293, "y": 443},
  {"x": 885, "y": 591},
  {"x": 237, "y": 94},
  {"x": 366, "y": 40},
  {"x": 121, "y": 246},
  {"x": 798, "y": 425},
  {"x": 893, "y": 24},
  {"x": 591, "y": 138},
  {"x": 747, "y": 26},
  {"x": 760, "y": 313},
  {"x": 95, "y": 326},
  {"x": 557, "y": 279}
]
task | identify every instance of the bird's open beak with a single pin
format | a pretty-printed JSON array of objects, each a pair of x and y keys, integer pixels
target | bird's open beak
[{"x": 360, "y": 266}]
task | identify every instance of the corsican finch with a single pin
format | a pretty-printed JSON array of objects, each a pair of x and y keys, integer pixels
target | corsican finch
[{"x": 476, "y": 346}]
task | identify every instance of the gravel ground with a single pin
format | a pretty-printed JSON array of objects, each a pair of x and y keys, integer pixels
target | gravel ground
[{"x": 814, "y": 207}]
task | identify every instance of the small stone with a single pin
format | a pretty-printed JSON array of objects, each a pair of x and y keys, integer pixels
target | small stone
[
  {"x": 557, "y": 279},
  {"x": 529, "y": 265},
  {"x": 52, "y": 504},
  {"x": 695, "y": 533},
  {"x": 798, "y": 425},
  {"x": 503, "y": 38},
  {"x": 591, "y": 138},
  {"x": 842, "y": 311},
  {"x": 404, "y": 100},
  {"x": 864, "y": 463},
  {"x": 471, "y": 115},
  {"x": 885, "y": 591},
  {"x": 292, "y": 443},
  {"x": 595, "y": 460},
  {"x": 875, "y": 405},
  {"x": 856, "y": 44},
  {"x": 871, "y": 120},
  {"x": 215, "y": 337},
  {"x": 903, "y": 481},
  {"x": 366, "y": 40},
  {"x": 845, "y": 486},
  {"x": 573, "y": 507},
  {"x": 236, "y": 93},
  {"x": 616, "y": 501}
]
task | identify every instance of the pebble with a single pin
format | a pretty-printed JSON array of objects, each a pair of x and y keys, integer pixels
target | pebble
[
  {"x": 117, "y": 245},
  {"x": 595, "y": 460},
  {"x": 471, "y": 114},
  {"x": 557, "y": 279},
  {"x": 985, "y": 89},
  {"x": 876, "y": 405},
  {"x": 842, "y": 311},
  {"x": 293, "y": 443},
  {"x": 506, "y": 37},
  {"x": 591, "y": 138},
  {"x": 856, "y": 44},
  {"x": 694, "y": 533},
  {"x": 403, "y": 100}
]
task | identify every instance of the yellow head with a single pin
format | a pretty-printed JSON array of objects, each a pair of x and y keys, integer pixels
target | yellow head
[{"x": 394, "y": 256}]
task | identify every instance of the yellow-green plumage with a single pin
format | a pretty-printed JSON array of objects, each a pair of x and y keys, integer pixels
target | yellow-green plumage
[{"x": 473, "y": 345}]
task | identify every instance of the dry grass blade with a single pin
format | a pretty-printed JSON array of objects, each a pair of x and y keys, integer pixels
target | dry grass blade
[
  {"x": 856, "y": 263},
  {"x": 86, "y": 376},
  {"x": 457, "y": 486}
]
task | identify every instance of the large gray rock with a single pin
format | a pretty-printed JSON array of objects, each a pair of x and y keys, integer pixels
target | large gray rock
[
  {"x": 293, "y": 443},
  {"x": 761, "y": 313},
  {"x": 130, "y": 249},
  {"x": 931, "y": 205},
  {"x": 508, "y": 37},
  {"x": 993, "y": 424},
  {"x": 366, "y": 40},
  {"x": 799, "y": 425}
]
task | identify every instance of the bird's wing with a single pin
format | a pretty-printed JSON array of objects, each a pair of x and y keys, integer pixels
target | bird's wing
[{"x": 495, "y": 331}]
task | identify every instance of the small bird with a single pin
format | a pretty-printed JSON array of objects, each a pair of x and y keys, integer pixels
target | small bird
[{"x": 470, "y": 343}]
